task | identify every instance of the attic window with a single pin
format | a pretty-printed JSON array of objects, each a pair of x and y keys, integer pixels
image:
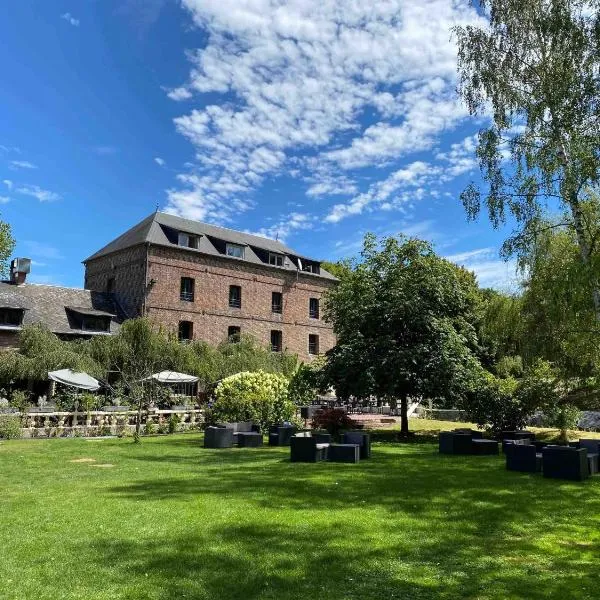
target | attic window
[
  {"x": 234, "y": 250},
  {"x": 276, "y": 259},
  {"x": 95, "y": 323},
  {"x": 11, "y": 316},
  {"x": 187, "y": 240},
  {"x": 311, "y": 268}
]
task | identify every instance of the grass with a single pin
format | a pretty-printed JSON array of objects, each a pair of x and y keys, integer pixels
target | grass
[{"x": 171, "y": 520}]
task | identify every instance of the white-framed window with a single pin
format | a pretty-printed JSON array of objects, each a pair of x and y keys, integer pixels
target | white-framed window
[
  {"x": 276, "y": 259},
  {"x": 234, "y": 250}
]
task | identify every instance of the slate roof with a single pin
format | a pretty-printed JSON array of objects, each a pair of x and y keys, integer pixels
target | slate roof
[
  {"x": 154, "y": 228},
  {"x": 50, "y": 305}
]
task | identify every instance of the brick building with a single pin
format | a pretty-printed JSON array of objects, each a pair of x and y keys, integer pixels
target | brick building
[{"x": 211, "y": 283}]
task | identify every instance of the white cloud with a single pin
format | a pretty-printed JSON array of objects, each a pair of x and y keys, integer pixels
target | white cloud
[
  {"x": 489, "y": 268},
  {"x": 159, "y": 161},
  {"x": 4, "y": 199},
  {"x": 69, "y": 18},
  {"x": 400, "y": 188},
  {"x": 21, "y": 164},
  {"x": 180, "y": 93},
  {"x": 460, "y": 158},
  {"x": 286, "y": 225},
  {"x": 352, "y": 83},
  {"x": 8, "y": 183},
  {"x": 37, "y": 192}
]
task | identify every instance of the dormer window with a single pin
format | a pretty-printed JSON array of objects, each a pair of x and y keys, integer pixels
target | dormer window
[
  {"x": 276, "y": 259},
  {"x": 95, "y": 323},
  {"x": 187, "y": 240},
  {"x": 11, "y": 317},
  {"x": 234, "y": 250},
  {"x": 89, "y": 319}
]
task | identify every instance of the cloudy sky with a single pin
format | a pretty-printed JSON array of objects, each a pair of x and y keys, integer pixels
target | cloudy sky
[{"x": 314, "y": 121}]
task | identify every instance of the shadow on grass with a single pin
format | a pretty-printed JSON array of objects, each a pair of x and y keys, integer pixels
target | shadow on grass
[{"x": 455, "y": 527}]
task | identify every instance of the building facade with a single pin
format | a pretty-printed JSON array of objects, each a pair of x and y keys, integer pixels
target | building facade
[{"x": 215, "y": 284}]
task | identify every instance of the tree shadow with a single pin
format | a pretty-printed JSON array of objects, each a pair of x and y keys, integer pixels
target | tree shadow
[{"x": 490, "y": 528}]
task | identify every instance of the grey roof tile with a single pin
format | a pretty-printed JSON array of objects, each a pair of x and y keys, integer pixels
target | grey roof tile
[
  {"x": 151, "y": 231},
  {"x": 49, "y": 305}
]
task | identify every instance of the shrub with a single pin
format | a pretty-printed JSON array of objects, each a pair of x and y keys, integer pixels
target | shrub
[
  {"x": 306, "y": 382},
  {"x": 334, "y": 420},
  {"x": 20, "y": 400},
  {"x": 492, "y": 402},
  {"x": 252, "y": 396},
  {"x": 10, "y": 427},
  {"x": 174, "y": 423},
  {"x": 149, "y": 427}
]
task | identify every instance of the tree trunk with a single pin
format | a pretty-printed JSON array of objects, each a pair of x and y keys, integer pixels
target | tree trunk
[
  {"x": 584, "y": 248},
  {"x": 404, "y": 416},
  {"x": 138, "y": 423}
]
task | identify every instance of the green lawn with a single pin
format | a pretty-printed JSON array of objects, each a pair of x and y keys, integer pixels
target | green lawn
[{"x": 171, "y": 520}]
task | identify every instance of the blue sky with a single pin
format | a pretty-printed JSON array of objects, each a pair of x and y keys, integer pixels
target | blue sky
[{"x": 311, "y": 120}]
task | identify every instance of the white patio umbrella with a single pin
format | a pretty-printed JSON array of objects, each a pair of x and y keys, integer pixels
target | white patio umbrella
[
  {"x": 172, "y": 377},
  {"x": 81, "y": 381}
]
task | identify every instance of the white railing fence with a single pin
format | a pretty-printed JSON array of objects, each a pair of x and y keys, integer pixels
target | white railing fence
[{"x": 100, "y": 423}]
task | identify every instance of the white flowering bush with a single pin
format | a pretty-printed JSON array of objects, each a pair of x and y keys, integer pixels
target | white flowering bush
[{"x": 257, "y": 396}]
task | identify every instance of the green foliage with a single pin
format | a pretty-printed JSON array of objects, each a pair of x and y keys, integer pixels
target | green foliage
[
  {"x": 306, "y": 382},
  {"x": 174, "y": 421},
  {"x": 259, "y": 397},
  {"x": 339, "y": 269},
  {"x": 149, "y": 427},
  {"x": 559, "y": 317},
  {"x": 7, "y": 245},
  {"x": 405, "y": 324},
  {"x": 20, "y": 400},
  {"x": 10, "y": 427},
  {"x": 500, "y": 329},
  {"x": 535, "y": 68},
  {"x": 334, "y": 420},
  {"x": 509, "y": 366},
  {"x": 492, "y": 402}
]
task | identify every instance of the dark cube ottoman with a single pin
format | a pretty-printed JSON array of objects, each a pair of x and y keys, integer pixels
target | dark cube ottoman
[
  {"x": 218, "y": 437},
  {"x": 348, "y": 453},
  {"x": 485, "y": 447},
  {"x": 249, "y": 439}
]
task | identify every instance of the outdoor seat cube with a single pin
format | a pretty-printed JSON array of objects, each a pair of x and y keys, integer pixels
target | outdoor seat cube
[
  {"x": 523, "y": 458},
  {"x": 517, "y": 434},
  {"x": 304, "y": 448},
  {"x": 247, "y": 439},
  {"x": 322, "y": 437},
  {"x": 362, "y": 439},
  {"x": 218, "y": 437},
  {"x": 451, "y": 442},
  {"x": 475, "y": 435},
  {"x": 485, "y": 446},
  {"x": 348, "y": 453},
  {"x": 280, "y": 435},
  {"x": 564, "y": 462},
  {"x": 593, "y": 449}
]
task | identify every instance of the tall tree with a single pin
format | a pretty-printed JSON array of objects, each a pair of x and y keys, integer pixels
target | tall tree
[
  {"x": 7, "y": 245},
  {"x": 404, "y": 318},
  {"x": 535, "y": 65}
]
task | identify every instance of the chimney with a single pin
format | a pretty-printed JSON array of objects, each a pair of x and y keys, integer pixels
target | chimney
[{"x": 19, "y": 269}]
